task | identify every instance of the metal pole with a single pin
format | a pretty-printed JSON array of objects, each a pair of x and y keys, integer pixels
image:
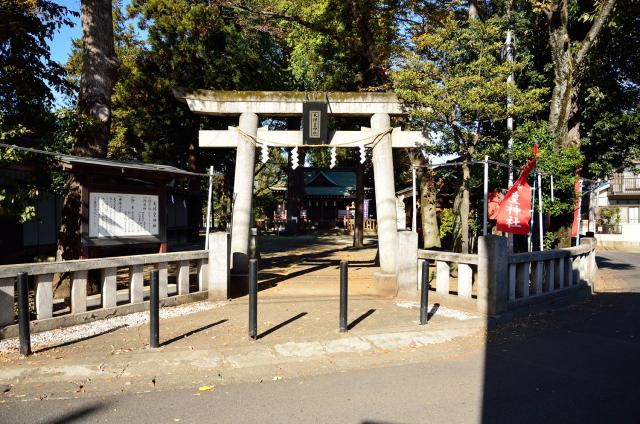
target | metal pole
[
  {"x": 509, "y": 53},
  {"x": 486, "y": 195},
  {"x": 540, "y": 212},
  {"x": 253, "y": 298},
  {"x": 552, "y": 196},
  {"x": 343, "y": 295},
  {"x": 206, "y": 236},
  {"x": 23, "y": 314},
  {"x": 154, "y": 310},
  {"x": 533, "y": 196},
  {"x": 414, "y": 218},
  {"x": 579, "y": 213},
  {"x": 509, "y": 48},
  {"x": 424, "y": 294}
]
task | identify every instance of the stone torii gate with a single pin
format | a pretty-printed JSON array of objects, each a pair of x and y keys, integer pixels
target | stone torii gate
[{"x": 253, "y": 105}]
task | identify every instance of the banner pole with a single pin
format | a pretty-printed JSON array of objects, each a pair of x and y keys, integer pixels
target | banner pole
[
  {"x": 486, "y": 195},
  {"x": 414, "y": 207},
  {"x": 540, "y": 212},
  {"x": 579, "y": 213},
  {"x": 533, "y": 195},
  {"x": 208, "y": 225}
]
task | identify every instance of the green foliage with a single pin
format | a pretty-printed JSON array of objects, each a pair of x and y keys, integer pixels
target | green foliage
[
  {"x": 610, "y": 216},
  {"x": 455, "y": 83},
  {"x": 27, "y": 72},
  {"x": 562, "y": 163},
  {"x": 445, "y": 226},
  {"x": 18, "y": 195},
  {"x": 557, "y": 239},
  {"x": 27, "y": 77},
  {"x": 191, "y": 44},
  {"x": 333, "y": 44}
]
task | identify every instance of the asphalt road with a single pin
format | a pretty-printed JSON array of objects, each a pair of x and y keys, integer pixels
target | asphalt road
[
  {"x": 577, "y": 364},
  {"x": 624, "y": 267}
]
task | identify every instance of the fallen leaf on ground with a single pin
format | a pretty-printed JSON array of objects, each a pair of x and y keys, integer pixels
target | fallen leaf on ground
[{"x": 206, "y": 388}]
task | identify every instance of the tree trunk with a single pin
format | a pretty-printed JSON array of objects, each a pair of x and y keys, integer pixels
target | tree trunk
[
  {"x": 474, "y": 9},
  {"x": 99, "y": 65},
  {"x": 428, "y": 205},
  {"x": 69, "y": 233},
  {"x": 564, "y": 107},
  {"x": 563, "y": 70},
  {"x": 461, "y": 207},
  {"x": 358, "y": 229},
  {"x": 464, "y": 207}
]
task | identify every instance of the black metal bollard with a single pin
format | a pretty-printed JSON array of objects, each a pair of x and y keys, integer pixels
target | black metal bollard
[
  {"x": 253, "y": 298},
  {"x": 424, "y": 294},
  {"x": 343, "y": 295},
  {"x": 23, "y": 314},
  {"x": 154, "y": 310}
]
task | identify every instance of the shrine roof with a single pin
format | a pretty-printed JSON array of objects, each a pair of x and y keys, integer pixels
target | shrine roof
[{"x": 326, "y": 183}]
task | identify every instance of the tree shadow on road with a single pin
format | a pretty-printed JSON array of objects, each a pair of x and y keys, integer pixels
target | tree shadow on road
[{"x": 606, "y": 263}]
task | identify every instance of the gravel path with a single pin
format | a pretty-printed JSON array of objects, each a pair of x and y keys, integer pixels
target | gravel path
[{"x": 77, "y": 332}]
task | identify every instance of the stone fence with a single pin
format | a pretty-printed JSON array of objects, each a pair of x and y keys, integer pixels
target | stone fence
[
  {"x": 118, "y": 283},
  {"x": 494, "y": 282}
]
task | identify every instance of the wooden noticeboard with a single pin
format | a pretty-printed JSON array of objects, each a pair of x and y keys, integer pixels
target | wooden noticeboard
[
  {"x": 114, "y": 214},
  {"x": 123, "y": 215}
]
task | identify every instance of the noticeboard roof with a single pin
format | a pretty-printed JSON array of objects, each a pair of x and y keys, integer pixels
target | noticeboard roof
[
  {"x": 126, "y": 165},
  {"x": 68, "y": 161}
]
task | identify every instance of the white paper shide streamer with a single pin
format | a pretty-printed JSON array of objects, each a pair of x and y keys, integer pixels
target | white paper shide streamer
[
  {"x": 363, "y": 154},
  {"x": 333, "y": 158},
  {"x": 264, "y": 152},
  {"x": 294, "y": 158}
]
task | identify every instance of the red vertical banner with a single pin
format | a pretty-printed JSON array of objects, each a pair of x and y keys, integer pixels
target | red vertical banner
[
  {"x": 514, "y": 212},
  {"x": 575, "y": 228}
]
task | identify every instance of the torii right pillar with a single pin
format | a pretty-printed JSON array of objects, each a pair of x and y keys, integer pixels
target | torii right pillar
[{"x": 386, "y": 213}]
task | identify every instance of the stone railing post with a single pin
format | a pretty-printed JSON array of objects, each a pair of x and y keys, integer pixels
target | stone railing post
[
  {"x": 591, "y": 268},
  {"x": 218, "y": 272},
  {"x": 493, "y": 281},
  {"x": 7, "y": 301},
  {"x": 407, "y": 262}
]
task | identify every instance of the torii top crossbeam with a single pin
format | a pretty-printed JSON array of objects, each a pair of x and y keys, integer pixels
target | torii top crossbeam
[{"x": 287, "y": 103}]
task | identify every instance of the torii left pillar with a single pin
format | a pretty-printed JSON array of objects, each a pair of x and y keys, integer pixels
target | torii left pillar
[{"x": 243, "y": 195}]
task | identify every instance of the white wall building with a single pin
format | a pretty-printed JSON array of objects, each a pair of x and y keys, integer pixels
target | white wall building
[{"x": 622, "y": 192}]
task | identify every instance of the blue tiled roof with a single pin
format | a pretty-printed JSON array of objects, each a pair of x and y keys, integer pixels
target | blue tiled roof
[{"x": 329, "y": 182}]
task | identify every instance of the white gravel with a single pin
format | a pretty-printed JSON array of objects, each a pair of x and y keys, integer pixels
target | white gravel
[
  {"x": 443, "y": 311},
  {"x": 77, "y": 332}
]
